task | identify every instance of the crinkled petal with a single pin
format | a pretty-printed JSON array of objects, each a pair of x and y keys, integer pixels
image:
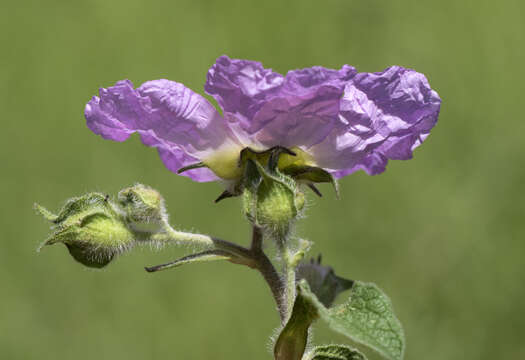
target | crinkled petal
[
  {"x": 241, "y": 87},
  {"x": 383, "y": 116},
  {"x": 342, "y": 120},
  {"x": 267, "y": 109},
  {"x": 174, "y": 157},
  {"x": 183, "y": 125},
  {"x": 305, "y": 110}
]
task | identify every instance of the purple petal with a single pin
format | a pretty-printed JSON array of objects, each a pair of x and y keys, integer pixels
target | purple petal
[
  {"x": 183, "y": 125},
  {"x": 305, "y": 110},
  {"x": 267, "y": 109},
  {"x": 383, "y": 116},
  {"x": 175, "y": 158},
  {"x": 344, "y": 120},
  {"x": 241, "y": 87}
]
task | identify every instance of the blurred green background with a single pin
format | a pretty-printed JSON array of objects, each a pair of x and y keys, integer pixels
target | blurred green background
[{"x": 442, "y": 234}]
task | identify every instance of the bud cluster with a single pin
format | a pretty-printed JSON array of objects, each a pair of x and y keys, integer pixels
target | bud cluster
[{"x": 95, "y": 229}]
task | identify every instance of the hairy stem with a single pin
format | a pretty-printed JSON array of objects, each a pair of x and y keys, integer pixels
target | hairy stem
[
  {"x": 254, "y": 257},
  {"x": 267, "y": 270},
  {"x": 169, "y": 235},
  {"x": 289, "y": 270},
  {"x": 291, "y": 260}
]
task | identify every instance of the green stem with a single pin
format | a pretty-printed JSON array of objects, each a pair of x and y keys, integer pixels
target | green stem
[
  {"x": 290, "y": 282},
  {"x": 254, "y": 257},
  {"x": 267, "y": 270},
  {"x": 180, "y": 237},
  {"x": 291, "y": 260},
  {"x": 184, "y": 237}
]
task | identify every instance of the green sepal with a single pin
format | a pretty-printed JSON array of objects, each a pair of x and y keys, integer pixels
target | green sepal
[
  {"x": 334, "y": 352},
  {"x": 48, "y": 215},
  {"x": 252, "y": 179},
  {"x": 311, "y": 174},
  {"x": 225, "y": 195},
  {"x": 84, "y": 254},
  {"x": 269, "y": 158},
  {"x": 292, "y": 340},
  {"x": 276, "y": 159},
  {"x": 191, "y": 167},
  {"x": 367, "y": 317},
  {"x": 76, "y": 208},
  {"x": 252, "y": 176}
]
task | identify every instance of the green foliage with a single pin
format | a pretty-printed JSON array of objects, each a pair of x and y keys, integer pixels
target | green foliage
[
  {"x": 366, "y": 317},
  {"x": 334, "y": 352}
]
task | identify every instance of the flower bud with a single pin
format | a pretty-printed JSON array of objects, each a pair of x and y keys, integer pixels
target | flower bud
[
  {"x": 272, "y": 200},
  {"x": 91, "y": 228},
  {"x": 143, "y": 207}
]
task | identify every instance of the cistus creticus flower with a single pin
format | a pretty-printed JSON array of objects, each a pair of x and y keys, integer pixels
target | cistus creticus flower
[{"x": 337, "y": 120}]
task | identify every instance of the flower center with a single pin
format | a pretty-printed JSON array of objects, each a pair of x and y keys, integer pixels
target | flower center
[{"x": 226, "y": 162}]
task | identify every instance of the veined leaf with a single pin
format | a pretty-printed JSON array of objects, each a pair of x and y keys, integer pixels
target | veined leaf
[
  {"x": 334, "y": 352},
  {"x": 367, "y": 317}
]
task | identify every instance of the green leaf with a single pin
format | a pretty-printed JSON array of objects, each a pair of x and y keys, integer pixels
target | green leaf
[
  {"x": 334, "y": 352},
  {"x": 366, "y": 317},
  {"x": 210, "y": 255}
]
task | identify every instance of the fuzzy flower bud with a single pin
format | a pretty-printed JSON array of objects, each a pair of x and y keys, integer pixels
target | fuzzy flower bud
[
  {"x": 272, "y": 200},
  {"x": 91, "y": 228},
  {"x": 274, "y": 206},
  {"x": 143, "y": 207}
]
